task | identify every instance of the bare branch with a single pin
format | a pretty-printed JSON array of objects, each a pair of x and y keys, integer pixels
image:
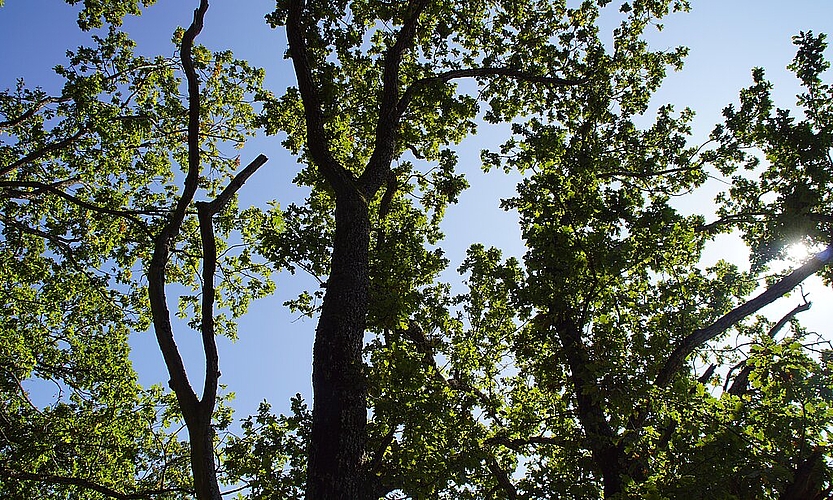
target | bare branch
[
  {"x": 205, "y": 212},
  {"x": 156, "y": 273},
  {"x": 236, "y": 183},
  {"x": 209, "y": 344}
]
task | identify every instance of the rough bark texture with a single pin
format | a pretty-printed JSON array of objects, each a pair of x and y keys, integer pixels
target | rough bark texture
[
  {"x": 339, "y": 407},
  {"x": 336, "y": 466},
  {"x": 201, "y": 435}
]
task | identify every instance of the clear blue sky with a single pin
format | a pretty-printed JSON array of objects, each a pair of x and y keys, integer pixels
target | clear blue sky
[{"x": 272, "y": 359}]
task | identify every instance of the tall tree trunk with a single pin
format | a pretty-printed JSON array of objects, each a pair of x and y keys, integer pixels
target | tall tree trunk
[
  {"x": 203, "y": 467},
  {"x": 609, "y": 457},
  {"x": 339, "y": 408}
]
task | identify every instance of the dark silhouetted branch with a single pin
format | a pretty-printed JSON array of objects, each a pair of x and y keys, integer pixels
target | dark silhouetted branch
[
  {"x": 700, "y": 336},
  {"x": 88, "y": 485}
]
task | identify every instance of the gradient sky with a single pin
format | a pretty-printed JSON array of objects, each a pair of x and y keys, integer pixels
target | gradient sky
[{"x": 272, "y": 358}]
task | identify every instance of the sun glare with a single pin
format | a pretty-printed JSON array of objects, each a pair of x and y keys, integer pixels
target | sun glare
[{"x": 800, "y": 251}]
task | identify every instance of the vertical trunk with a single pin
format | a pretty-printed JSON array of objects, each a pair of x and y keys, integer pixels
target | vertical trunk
[
  {"x": 202, "y": 459},
  {"x": 609, "y": 457},
  {"x": 340, "y": 408}
]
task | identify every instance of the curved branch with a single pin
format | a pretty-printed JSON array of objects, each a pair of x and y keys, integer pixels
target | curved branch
[
  {"x": 318, "y": 145},
  {"x": 387, "y": 128},
  {"x": 87, "y": 484},
  {"x": 156, "y": 273},
  {"x": 700, "y": 336},
  {"x": 513, "y": 73},
  {"x": 209, "y": 343}
]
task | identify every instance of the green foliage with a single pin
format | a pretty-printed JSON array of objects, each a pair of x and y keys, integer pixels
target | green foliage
[
  {"x": 541, "y": 377},
  {"x": 98, "y": 12},
  {"x": 87, "y": 178},
  {"x": 781, "y": 198},
  {"x": 270, "y": 456}
]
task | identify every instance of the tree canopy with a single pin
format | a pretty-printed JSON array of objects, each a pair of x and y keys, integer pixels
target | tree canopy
[{"x": 605, "y": 362}]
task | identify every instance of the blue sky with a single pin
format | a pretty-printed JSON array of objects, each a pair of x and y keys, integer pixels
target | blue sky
[{"x": 272, "y": 358}]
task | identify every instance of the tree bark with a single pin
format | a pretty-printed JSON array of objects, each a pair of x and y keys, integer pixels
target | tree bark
[
  {"x": 335, "y": 468},
  {"x": 608, "y": 456},
  {"x": 339, "y": 408},
  {"x": 201, "y": 435}
]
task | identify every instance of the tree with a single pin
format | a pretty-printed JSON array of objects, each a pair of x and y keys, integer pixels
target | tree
[
  {"x": 362, "y": 108},
  {"x": 566, "y": 374},
  {"x": 89, "y": 193}
]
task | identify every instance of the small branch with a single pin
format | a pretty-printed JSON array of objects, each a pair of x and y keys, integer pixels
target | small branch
[
  {"x": 376, "y": 462},
  {"x": 31, "y": 112},
  {"x": 417, "y": 336},
  {"x": 513, "y": 73},
  {"x": 40, "y": 153},
  {"x": 517, "y": 444},
  {"x": 87, "y": 484},
  {"x": 55, "y": 189},
  {"x": 741, "y": 381},
  {"x": 647, "y": 175},
  {"x": 707, "y": 375},
  {"x": 731, "y": 219},
  {"x": 700, "y": 336},
  {"x": 23, "y": 393},
  {"x": 61, "y": 243}
]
